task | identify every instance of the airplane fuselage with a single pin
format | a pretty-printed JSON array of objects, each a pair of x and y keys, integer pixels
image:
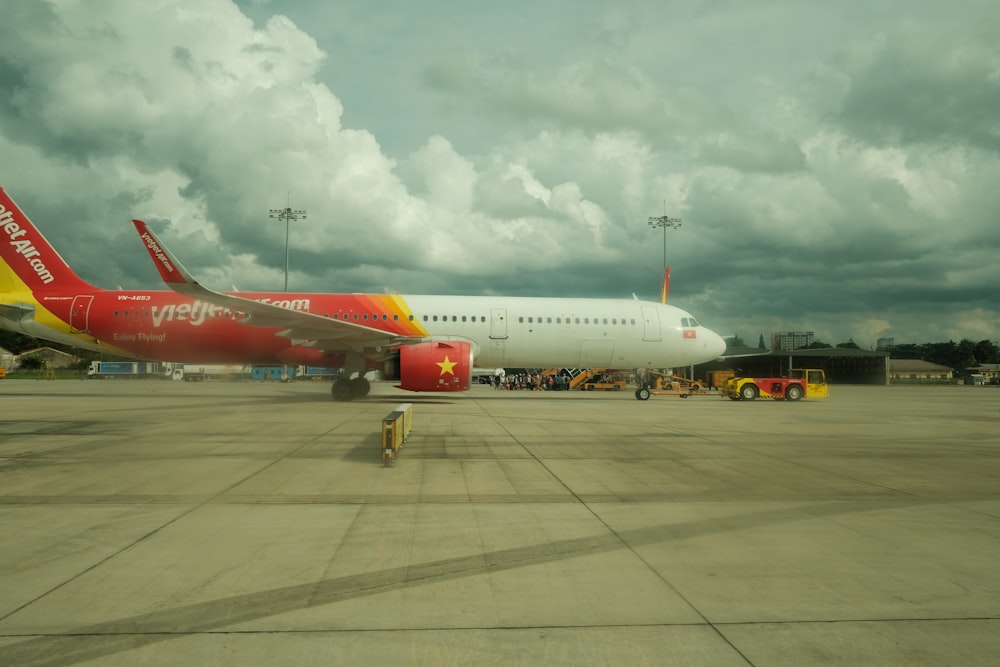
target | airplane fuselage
[{"x": 504, "y": 331}]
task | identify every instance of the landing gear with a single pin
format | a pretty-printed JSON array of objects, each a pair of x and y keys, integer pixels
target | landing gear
[
  {"x": 361, "y": 387},
  {"x": 642, "y": 393},
  {"x": 341, "y": 390},
  {"x": 348, "y": 389}
]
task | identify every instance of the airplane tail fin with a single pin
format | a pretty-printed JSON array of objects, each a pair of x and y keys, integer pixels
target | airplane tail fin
[
  {"x": 666, "y": 285},
  {"x": 27, "y": 259}
]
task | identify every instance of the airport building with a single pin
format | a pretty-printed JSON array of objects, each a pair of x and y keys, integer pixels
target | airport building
[
  {"x": 917, "y": 370},
  {"x": 55, "y": 358},
  {"x": 785, "y": 341},
  {"x": 842, "y": 365},
  {"x": 984, "y": 374}
]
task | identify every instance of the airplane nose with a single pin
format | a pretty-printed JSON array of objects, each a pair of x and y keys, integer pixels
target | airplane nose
[{"x": 717, "y": 344}]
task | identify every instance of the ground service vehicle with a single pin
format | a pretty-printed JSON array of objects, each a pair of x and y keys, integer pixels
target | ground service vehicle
[
  {"x": 605, "y": 382},
  {"x": 128, "y": 369},
  {"x": 202, "y": 372},
  {"x": 658, "y": 383},
  {"x": 799, "y": 383}
]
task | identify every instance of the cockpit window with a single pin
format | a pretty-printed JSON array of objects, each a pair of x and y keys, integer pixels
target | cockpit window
[{"x": 689, "y": 322}]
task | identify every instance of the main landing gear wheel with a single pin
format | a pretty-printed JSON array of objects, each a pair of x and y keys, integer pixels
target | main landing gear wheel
[
  {"x": 360, "y": 387},
  {"x": 342, "y": 391},
  {"x": 347, "y": 390},
  {"x": 642, "y": 394}
]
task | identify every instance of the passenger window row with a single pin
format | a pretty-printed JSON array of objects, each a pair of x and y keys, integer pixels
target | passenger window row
[
  {"x": 364, "y": 317},
  {"x": 575, "y": 320}
]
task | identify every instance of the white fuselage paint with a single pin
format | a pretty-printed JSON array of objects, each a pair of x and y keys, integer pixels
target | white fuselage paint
[{"x": 568, "y": 333}]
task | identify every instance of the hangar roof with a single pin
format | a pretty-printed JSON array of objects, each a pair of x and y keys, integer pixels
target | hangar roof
[
  {"x": 746, "y": 351},
  {"x": 915, "y": 366}
]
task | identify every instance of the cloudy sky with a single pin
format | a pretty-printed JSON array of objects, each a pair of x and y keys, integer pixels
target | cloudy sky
[{"x": 836, "y": 166}]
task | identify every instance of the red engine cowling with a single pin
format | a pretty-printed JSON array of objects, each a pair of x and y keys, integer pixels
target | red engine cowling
[{"x": 434, "y": 366}]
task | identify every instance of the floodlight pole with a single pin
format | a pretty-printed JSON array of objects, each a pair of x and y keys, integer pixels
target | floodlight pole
[
  {"x": 664, "y": 221},
  {"x": 286, "y": 214}
]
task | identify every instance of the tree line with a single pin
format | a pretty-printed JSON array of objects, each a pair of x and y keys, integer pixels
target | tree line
[
  {"x": 958, "y": 356},
  {"x": 16, "y": 343}
]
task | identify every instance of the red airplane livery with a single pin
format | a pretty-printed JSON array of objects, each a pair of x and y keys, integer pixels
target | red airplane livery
[{"x": 427, "y": 343}]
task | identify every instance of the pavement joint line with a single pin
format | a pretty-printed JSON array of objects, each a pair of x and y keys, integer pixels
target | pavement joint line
[
  {"x": 499, "y": 628},
  {"x": 863, "y": 481},
  {"x": 627, "y": 546},
  {"x": 192, "y": 508}
]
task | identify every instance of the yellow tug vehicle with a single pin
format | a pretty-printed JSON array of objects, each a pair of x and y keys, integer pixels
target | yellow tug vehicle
[{"x": 798, "y": 384}]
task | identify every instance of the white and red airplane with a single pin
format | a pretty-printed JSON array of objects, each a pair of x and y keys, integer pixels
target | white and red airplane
[{"x": 427, "y": 343}]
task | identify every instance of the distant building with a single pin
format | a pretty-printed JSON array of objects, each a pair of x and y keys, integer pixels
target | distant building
[
  {"x": 6, "y": 360},
  {"x": 885, "y": 343},
  {"x": 842, "y": 365},
  {"x": 985, "y": 373},
  {"x": 55, "y": 358},
  {"x": 918, "y": 370},
  {"x": 786, "y": 341}
]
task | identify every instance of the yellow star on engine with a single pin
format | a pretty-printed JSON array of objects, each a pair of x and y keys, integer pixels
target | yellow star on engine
[{"x": 447, "y": 366}]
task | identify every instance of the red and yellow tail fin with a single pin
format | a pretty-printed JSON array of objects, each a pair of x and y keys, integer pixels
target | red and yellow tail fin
[
  {"x": 27, "y": 258},
  {"x": 666, "y": 285}
]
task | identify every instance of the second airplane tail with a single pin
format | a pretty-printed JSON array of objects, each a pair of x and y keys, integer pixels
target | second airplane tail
[
  {"x": 28, "y": 259},
  {"x": 666, "y": 285}
]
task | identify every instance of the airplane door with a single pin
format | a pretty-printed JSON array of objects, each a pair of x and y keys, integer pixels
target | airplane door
[
  {"x": 650, "y": 323},
  {"x": 79, "y": 314},
  {"x": 498, "y": 323}
]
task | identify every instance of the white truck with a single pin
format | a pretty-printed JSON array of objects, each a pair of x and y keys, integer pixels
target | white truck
[{"x": 202, "y": 372}]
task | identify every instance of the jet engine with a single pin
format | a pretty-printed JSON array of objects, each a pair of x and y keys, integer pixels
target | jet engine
[{"x": 440, "y": 365}]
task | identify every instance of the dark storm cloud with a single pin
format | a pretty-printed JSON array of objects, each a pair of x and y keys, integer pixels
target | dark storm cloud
[
  {"x": 923, "y": 85},
  {"x": 835, "y": 166}
]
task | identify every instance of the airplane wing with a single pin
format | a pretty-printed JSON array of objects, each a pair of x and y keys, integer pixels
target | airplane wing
[
  {"x": 16, "y": 313},
  {"x": 307, "y": 329}
]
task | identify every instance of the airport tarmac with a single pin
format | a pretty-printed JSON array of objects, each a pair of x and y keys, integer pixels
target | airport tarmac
[{"x": 164, "y": 523}]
